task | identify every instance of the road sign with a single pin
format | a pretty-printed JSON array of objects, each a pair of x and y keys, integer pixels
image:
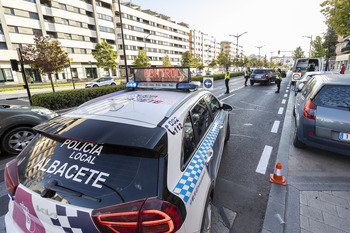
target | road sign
[
  {"x": 208, "y": 83},
  {"x": 296, "y": 76}
]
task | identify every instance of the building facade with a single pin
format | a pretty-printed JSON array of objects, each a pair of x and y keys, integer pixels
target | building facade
[
  {"x": 343, "y": 53},
  {"x": 78, "y": 25}
]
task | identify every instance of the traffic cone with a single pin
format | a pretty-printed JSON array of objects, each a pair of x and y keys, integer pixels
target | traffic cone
[
  {"x": 277, "y": 177},
  {"x": 244, "y": 83}
]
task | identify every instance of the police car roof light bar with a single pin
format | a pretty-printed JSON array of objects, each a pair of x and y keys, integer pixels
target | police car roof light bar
[{"x": 131, "y": 84}]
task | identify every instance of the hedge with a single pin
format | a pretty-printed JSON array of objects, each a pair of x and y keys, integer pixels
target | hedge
[{"x": 73, "y": 98}]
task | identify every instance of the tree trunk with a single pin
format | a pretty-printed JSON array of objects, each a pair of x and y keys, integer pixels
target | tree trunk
[{"x": 53, "y": 88}]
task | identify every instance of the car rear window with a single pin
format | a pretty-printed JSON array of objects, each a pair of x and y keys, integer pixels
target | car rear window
[
  {"x": 260, "y": 72},
  {"x": 335, "y": 96}
]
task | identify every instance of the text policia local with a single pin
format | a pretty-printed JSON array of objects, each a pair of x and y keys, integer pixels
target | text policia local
[{"x": 82, "y": 151}]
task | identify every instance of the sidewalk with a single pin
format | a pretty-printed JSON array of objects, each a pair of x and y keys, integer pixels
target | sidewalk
[{"x": 311, "y": 202}]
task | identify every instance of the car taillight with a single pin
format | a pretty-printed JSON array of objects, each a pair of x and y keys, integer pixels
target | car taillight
[
  {"x": 266, "y": 75},
  {"x": 11, "y": 177},
  {"x": 310, "y": 110},
  {"x": 151, "y": 215},
  {"x": 251, "y": 75}
]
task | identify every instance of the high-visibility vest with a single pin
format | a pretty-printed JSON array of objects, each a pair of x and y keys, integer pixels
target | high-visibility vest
[
  {"x": 279, "y": 76},
  {"x": 227, "y": 75},
  {"x": 246, "y": 73}
]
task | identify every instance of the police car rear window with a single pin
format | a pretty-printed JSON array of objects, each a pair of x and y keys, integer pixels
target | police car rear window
[{"x": 103, "y": 174}]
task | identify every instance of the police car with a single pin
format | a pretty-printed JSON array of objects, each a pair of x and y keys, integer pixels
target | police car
[{"x": 140, "y": 160}]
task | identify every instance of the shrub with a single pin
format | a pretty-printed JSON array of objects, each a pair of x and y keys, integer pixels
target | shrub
[{"x": 72, "y": 98}]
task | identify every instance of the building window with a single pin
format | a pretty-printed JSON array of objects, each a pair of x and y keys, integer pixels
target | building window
[
  {"x": 68, "y": 36},
  {"x": 62, "y": 6},
  {"x": 37, "y": 32},
  {"x": 1, "y": 31},
  {"x": 3, "y": 45},
  {"x": 9, "y": 11},
  {"x": 5, "y": 75},
  {"x": 65, "y": 21},
  {"x": 71, "y": 50},
  {"x": 81, "y": 24},
  {"x": 83, "y": 51},
  {"x": 33, "y": 15}
]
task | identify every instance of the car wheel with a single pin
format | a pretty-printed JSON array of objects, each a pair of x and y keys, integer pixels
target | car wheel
[
  {"x": 228, "y": 132},
  {"x": 113, "y": 84},
  {"x": 296, "y": 142},
  {"x": 268, "y": 82},
  {"x": 207, "y": 217},
  {"x": 15, "y": 140},
  {"x": 95, "y": 85},
  {"x": 251, "y": 82}
]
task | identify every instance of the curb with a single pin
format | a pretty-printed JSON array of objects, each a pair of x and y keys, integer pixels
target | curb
[{"x": 275, "y": 212}]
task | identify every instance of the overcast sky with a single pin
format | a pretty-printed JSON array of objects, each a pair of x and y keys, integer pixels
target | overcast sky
[{"x": 277, "y": 24}]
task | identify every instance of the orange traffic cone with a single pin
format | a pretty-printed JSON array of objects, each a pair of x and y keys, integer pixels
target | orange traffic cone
[
  {"x": 277, "y": 177},
  {"x": 244, "y": 83}
]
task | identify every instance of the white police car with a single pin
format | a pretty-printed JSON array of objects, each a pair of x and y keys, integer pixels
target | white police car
[{"x": 141, "y": 160}]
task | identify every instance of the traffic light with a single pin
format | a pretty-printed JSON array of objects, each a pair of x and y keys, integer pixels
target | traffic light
[
  {"x": 14, "y": 64},
  {"x": 279, "y": 52}
]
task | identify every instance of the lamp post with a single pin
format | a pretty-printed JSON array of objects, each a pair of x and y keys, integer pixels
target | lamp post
[
  {"x": 259, "y": 47},
  {"x": 310, "y": 37},
  {"x": 145, "y": 38},
  {"x": 70, "y": 68},
  {"x": 237, "y": 36},
  {"x": 121, "y": 29}
]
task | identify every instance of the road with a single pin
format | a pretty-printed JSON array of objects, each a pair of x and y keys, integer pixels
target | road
[{"x": 256, "y": 122}]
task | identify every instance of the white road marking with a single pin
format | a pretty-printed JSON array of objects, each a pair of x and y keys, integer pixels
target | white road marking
[
  {"x": 275, "y": 126},
  {"x": 248, "y": 124},
  {"x": 280, "y": 111},
  {"x": 284, "y": 101},
  {"x": 227, "y": 97},
  {"x": 285, "y": 95},
  {"x": 287, "y": 91},
  {"x": 264, "y": 160}
]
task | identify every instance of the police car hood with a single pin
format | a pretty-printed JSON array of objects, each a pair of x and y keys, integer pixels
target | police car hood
[{"x": 142, "y": 107}]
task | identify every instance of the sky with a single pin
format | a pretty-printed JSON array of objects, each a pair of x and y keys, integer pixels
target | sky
[{"x": 273, "y": 24}]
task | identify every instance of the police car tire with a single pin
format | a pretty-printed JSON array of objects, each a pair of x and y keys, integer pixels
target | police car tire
[
  {"x": 207, "y": 216},
  {"x": 5, "y": 142}
]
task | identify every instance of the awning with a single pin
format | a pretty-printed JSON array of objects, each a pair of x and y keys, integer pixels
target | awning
[{"x": 344, "y": 57}]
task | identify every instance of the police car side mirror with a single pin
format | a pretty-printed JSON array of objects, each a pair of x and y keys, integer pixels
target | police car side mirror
[{"x": 226, "y": 107}]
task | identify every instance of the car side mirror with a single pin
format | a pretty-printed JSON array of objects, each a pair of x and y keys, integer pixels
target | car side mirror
[{"x": 226, "y": 107}]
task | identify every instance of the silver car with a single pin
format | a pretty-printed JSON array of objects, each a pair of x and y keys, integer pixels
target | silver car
[
  {"x": 322, "y": 114},
  {"x": 306, "y": 77},
  {"x": 99, "y": 82}
]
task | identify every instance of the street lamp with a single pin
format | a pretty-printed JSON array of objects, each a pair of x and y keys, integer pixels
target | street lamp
[
  {"x": 121, "y": 29},
  {"x": 237, "y": 36},
  {"x": 259, "y": 47},
  {"x": 310, "y": 37},
  {"x": 145, "y": 38}
]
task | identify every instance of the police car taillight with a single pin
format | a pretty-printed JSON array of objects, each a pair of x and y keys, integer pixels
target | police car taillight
[
  {"x": 152, "y": 215},
  {"x": 11, "y": 177}
]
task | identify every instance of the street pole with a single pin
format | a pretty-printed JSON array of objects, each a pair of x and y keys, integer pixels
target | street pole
[
  {"x": 24, "y": 76},
  {"x": 70, "y": 68},
  {"x": 310, "y": 37},
  {"x": 259, "y": 47},
  {"x": 237, "y": 36},
  {"x": 121, "y": 28},
  {"x": 145, "y": 38}
]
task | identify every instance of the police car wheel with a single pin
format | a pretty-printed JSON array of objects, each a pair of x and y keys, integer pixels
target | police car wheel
[
  {"x": 15, "y": 140},
  {"x": 207, "y": 217}
]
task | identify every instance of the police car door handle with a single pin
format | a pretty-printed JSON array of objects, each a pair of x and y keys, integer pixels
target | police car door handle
[
  {"x": 210, "y": 156},
  {"x": 222, "y": 125}
]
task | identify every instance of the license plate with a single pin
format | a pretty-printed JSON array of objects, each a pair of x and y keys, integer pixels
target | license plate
[
  {"x": 257, "y": 76},
  {"x": 344, "y": 136}
]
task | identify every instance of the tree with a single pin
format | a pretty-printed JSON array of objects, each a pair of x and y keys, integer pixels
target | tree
[
  {"x": 47, "y": 56},
  {"x": 105, "y": 56},
  {"x": 166, "y": 61},
  {"x": 213, "y": 63},
  {"x": 186, "y": 59},
  {"x": 330, "y": 42},
  {"x": 196, "y": 62},
  {"x": 200, "y": 66},
  {"x": 223, "y": 60},
  {"x": 253, "y": 62},
  {"x": 245, "y": 61},
  {"x": 141, "y": 60},
  {"x": 337, "y": 13},
  {"x": 298, "y": 53},
  {"x": 265, "y": 62},
  {"x": 317, "y": 48}
]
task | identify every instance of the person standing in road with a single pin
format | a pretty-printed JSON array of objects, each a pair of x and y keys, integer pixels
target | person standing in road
[
  {"x": 278, "y": 80},
  {"x": 227, "y": 79},
  {"x": 246, "y": 76},
  {"x": 342, "y": 69}
]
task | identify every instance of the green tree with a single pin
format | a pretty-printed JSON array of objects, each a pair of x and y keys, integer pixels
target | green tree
[
  {"x": 141, "y": 60},
  {"x": 46, "y": 55},
  {"x": 337, "y": 13},
  {"x": 253, "y": 62},
  {"x": 223, "y": 60},
  {"x": 317, "y": 48},
  {"x": 105, "y": 56},
  {"x": 213, "y": 63},
  {"x": 298, "y": 53},
  {"x": 330, "y": 42},
  {"x": 265, "y": 62},
  {"x": 166, "y": 61},
  {"x": 196, "y": 62},
  {"x": 186, "y": 59},
  {"x": 200, "y": 66},
  {"x": 245, "y": 61}
]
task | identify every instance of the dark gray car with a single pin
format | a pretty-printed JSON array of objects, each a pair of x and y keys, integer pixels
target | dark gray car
[
  {"x": 265, "y": 76},
  {"x": 16, "y": 124},
  {"x": 322, "y": 114}
]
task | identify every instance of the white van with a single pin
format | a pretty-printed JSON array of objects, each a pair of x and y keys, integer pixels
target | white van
[{"x": 303, "y": 65}]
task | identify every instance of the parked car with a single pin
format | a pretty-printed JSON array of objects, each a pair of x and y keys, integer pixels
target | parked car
[
  {"x": 303, "y": 65},
  {"x": 322, "y": 114},
  {"x": 16, "y": 124},
  {"x": 140, "y": 160},
  {"x": 265, "y": 76},
  {"x": 283, "y": 73},
  {"x": 200, "y": 73},
  {"x": 306, "y": 77},
  {"x": 209, "y": 72},
  {"x": 99, "y": 82}
]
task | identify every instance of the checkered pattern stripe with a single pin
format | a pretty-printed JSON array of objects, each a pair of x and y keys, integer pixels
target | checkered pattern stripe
[
  {"x": 190, "y": 177},
  {"x": 73, "y": 221}
]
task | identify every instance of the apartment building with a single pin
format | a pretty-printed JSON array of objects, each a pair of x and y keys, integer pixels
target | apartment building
[
  {"x": 77, "y": 24},
  {"x": 152, "y": 32},
  {"x": 204, "y": 46},
  {"x": 343, "y": 53}
]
